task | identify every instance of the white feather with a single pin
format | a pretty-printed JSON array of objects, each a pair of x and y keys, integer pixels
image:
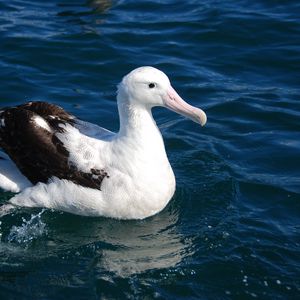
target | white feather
[
  {"x": 11, "y": 178},
  {"x": 39, "y": 121}
]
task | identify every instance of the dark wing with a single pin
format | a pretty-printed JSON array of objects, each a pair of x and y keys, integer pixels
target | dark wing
[
  {"x": 36, "y": 151},
  {"x": 53, "y": 114}
]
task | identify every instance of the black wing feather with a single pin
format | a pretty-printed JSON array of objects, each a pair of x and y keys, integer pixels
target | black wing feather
[{"x": 38, "y": 153}]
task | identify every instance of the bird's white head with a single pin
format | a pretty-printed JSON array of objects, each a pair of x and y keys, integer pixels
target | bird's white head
[{"x": 149, "y": 87}]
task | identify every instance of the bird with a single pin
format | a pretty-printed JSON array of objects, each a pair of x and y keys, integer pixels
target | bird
[{"x": 49, "y": 158}]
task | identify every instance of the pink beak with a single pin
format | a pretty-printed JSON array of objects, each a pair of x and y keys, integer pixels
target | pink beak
[{"x": 175, "y": 103}]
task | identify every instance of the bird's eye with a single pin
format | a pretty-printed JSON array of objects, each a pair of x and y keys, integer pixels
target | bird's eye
[{"x": 151, "y": 85}]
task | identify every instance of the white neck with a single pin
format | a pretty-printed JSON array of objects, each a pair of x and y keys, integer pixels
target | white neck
[{"x": 136, "y": 122}]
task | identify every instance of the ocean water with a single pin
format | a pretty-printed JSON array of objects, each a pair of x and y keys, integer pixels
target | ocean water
[{"x": 232, "y": 230}]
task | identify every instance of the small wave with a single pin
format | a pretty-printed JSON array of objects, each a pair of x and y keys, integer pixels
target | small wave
[{"x": 29, "y": 230}]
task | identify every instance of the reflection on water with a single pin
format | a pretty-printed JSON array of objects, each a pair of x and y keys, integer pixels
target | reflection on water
[
  {"x": 77, "y": 13},
  {"x": 79, "y": 9},
  {"x": 123, "y": 248},
  {"x": 133, "y": 247},
  {"x": 100, "y": 6},
  {"x": 154, "y": 244}
]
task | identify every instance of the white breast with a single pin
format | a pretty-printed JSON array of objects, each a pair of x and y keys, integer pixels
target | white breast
[{"x": 142, "y": 180}]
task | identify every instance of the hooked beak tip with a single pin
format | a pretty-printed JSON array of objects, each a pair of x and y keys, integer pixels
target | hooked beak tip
[
  {"x": 202, "y": 117},
  {"x": 174, "y": 102}
]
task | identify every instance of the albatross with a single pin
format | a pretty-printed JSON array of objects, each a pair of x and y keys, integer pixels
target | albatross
[{"x": 52, "y": 159}]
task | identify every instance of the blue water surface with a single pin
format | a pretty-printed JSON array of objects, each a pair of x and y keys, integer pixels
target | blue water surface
[{"x": 232, "y": 230}]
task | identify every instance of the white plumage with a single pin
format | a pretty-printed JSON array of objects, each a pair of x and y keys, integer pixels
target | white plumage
[{"x": 141, "y": 181}]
